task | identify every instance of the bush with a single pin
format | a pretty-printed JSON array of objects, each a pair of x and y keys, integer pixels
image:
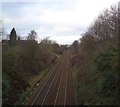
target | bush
[{"x": 107, "y": 63}]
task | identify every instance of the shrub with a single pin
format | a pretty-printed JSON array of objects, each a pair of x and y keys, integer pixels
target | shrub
[{"x": 107, "y": 63}]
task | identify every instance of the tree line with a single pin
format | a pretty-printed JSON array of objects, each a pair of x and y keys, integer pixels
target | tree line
[
  {"x": 95, "y": 57},
  {"x": 23, "y": 60}
]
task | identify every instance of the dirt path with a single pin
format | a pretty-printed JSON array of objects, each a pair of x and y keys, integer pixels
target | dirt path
[{"x": 56, "y": 88}]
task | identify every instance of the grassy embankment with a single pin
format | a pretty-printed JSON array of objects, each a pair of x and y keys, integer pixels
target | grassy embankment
[{"x": 23, "y": 66}]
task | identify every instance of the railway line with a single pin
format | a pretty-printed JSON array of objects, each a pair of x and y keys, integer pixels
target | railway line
[{"x": 54, "y": 89}]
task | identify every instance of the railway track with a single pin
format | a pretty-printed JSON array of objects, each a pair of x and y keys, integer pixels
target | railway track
[
  {"x": 62, "y": 89},
  {"x": 54, "y": 89},
  {"x": 52, "y": 83},
  {"x": 36, "y": 91}
]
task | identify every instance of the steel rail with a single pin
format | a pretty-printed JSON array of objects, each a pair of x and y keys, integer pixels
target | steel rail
[
  {"x": 50, "y": 87},
  {"x": 44, "y": 84},
  {"x": 58, "y": 88},
  {"x": 66, "y": 84}
]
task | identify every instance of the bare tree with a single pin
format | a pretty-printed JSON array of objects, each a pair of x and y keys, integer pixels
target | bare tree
[
  {"x": 32, "y": 35},
  {"x": 75, "y": 46},
  {"x": 105, "y": 27}
]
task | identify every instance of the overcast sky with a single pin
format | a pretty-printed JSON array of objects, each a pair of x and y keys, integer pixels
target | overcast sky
[{"x": 62, "y": 20}]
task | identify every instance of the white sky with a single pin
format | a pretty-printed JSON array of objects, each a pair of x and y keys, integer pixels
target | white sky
[{"x": 62, "y": 20}]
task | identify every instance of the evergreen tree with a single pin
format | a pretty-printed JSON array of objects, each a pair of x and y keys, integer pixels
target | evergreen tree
[{"x": 13, "y": 37}]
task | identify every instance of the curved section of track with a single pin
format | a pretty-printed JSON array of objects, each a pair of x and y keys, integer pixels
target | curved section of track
[{"x": 56, "y": 88}]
